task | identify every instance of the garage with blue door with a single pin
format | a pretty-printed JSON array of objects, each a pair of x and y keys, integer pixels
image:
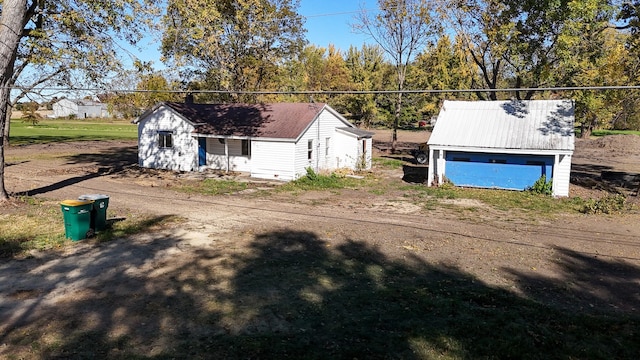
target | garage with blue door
[
  {"x": 499, "y": 171},
  {"x": 503, "y": 144}
]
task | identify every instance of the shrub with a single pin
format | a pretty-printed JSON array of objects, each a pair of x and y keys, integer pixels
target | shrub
[
  {"x": 542, "y": 186},
  {"x": 607, "y": 205},
  {"x": 311, "y": 174}
]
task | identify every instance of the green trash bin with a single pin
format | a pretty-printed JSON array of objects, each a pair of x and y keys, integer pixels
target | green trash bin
[
  {"x": 77, "y": 219},
  {"x": 99, "y": 210}
]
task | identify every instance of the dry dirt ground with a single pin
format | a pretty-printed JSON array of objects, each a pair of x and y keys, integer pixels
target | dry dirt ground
[{"x": 573, "y": 261}]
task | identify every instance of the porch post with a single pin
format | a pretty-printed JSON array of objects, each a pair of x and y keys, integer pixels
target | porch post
[
  {"x": 432, "y": 165},
  {"x": 440, "y": 166},
  {"x": 226, "y": 153}
]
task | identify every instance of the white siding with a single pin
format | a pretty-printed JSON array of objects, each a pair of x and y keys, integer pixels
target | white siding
[
  {"x": 352, "y": 153},
  {"x": 344, "y": 150},
  {"x": 64, "y": 108},
  {"x": 436, "y": 165},
  {"x": 181, "y": 157},
  {"x": 302, "y": 161},
  {"x": 561, "y": 175},
  {"x": 273, "y": 160},
  {"x": 91, "y": 111}
]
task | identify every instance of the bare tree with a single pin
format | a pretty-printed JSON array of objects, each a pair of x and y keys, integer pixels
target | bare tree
[{"x": 402, "y": 28}]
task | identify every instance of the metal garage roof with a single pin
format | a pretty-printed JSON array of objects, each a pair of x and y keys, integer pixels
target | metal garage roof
[{"x": 512, "y": 124}]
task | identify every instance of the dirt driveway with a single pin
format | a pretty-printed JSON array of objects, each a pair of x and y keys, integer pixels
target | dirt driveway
[{"x": 577, "y": 262}]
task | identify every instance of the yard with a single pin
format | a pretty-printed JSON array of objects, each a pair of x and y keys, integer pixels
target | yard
[{"x": 385, "y": 268}]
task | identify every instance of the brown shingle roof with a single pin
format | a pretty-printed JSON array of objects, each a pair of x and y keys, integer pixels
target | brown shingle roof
[{"x": 278, "y": 120}]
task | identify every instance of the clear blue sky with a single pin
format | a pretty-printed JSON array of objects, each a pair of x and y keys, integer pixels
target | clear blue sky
[{"x": 327, "y": 22}]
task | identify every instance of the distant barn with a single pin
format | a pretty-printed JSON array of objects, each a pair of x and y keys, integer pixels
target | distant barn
[
  {"x": 80, "y": 109},
  {"x": 503, "y": 144}
]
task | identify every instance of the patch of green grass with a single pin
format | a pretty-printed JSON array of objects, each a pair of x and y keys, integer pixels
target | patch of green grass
[
  {"x": 438, "y": 192},
  {"x": 614, "y": 132},
  {"x": 314, "y": 181},
  {"x": 524, "y": 200},
  {"x": 504, "y": 200},
  {"x": 388, "y": 163},
  {"x": 214, "y": 187},
  {"x": 38, "y": 225},
  {"x": 50, "y": 130}
]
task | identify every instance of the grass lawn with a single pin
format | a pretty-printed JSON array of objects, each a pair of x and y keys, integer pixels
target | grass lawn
[
  {"x": 57, "y": 130},
  {"x": 614, "y": 132}
]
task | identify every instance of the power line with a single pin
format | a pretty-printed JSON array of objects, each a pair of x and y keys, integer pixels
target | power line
[{"x": 335, "y": 92}]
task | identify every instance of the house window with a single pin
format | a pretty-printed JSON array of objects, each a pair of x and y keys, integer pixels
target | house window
[
  {"x": 165, "y": 139},
  {"x": 246, "y": 149},
  {"x": 310, "y": 149},
  {"x": 327, "y": 143}
]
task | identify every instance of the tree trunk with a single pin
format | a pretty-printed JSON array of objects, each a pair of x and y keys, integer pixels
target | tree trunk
[
  {"x": 396, "y": 122},
  {"x": 4, "y": 100},
  {"x": 7, "y": 124},
  {"x": 12, "y": 22},
  {"x": 587, "y": 127},
  {"x": 585, "y": 131}
]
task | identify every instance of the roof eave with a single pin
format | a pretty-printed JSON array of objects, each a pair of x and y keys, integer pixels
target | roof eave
[
  {"x": 156, "y": 107},
  {"x": 476, "y": 149}
]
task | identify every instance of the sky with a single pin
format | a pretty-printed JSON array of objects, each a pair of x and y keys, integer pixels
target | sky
[{"x": 327, "y": 22}]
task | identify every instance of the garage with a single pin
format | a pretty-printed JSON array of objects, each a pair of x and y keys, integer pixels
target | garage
[
  {"x": 503, "y": 144},
  {"x": 499, "y": 171}
]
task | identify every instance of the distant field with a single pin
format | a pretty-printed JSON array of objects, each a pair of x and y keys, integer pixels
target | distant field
[
  {"x": 54, "y": 130},
  {"x": 614, "y": 132}
]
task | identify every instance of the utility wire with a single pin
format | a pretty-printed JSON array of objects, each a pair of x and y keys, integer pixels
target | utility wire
[{"x": 335, "y": 92}]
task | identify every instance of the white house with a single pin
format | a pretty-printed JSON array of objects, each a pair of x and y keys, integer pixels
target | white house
[
  {"x": 81, "y": 109},
  {"x": 503, "y": 144},
  {"x": 269, "y": 141}
]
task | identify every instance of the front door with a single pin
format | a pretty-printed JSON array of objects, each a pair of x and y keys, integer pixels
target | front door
[{"x": 202, "y": 151}]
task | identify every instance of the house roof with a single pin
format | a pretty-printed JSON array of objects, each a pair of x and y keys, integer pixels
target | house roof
[
  {"x": 81, "y": 102},
  {"x": 277, "y": 120},
  {"x": 512, "y": 124},
  {"x": 359, "y": 133}
]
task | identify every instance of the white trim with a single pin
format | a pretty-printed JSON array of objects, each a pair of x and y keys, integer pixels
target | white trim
[
  {"x": 501, "y": 151},
  {"x": 251, "y": 138}
]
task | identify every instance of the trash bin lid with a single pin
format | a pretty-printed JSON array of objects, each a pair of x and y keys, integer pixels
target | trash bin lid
[
  {"x": 93, "y": 197},
  {"x": 75, "y": 202}
]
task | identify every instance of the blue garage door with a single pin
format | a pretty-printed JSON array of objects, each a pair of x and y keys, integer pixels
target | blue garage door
[{"x": 502, "y": 171}]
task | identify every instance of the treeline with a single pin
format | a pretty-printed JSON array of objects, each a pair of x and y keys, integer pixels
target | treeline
[{"x": 248, "y": 46}]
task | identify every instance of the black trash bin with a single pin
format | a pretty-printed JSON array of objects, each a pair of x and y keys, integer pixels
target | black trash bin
[{"x": 99, "y": 210}]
